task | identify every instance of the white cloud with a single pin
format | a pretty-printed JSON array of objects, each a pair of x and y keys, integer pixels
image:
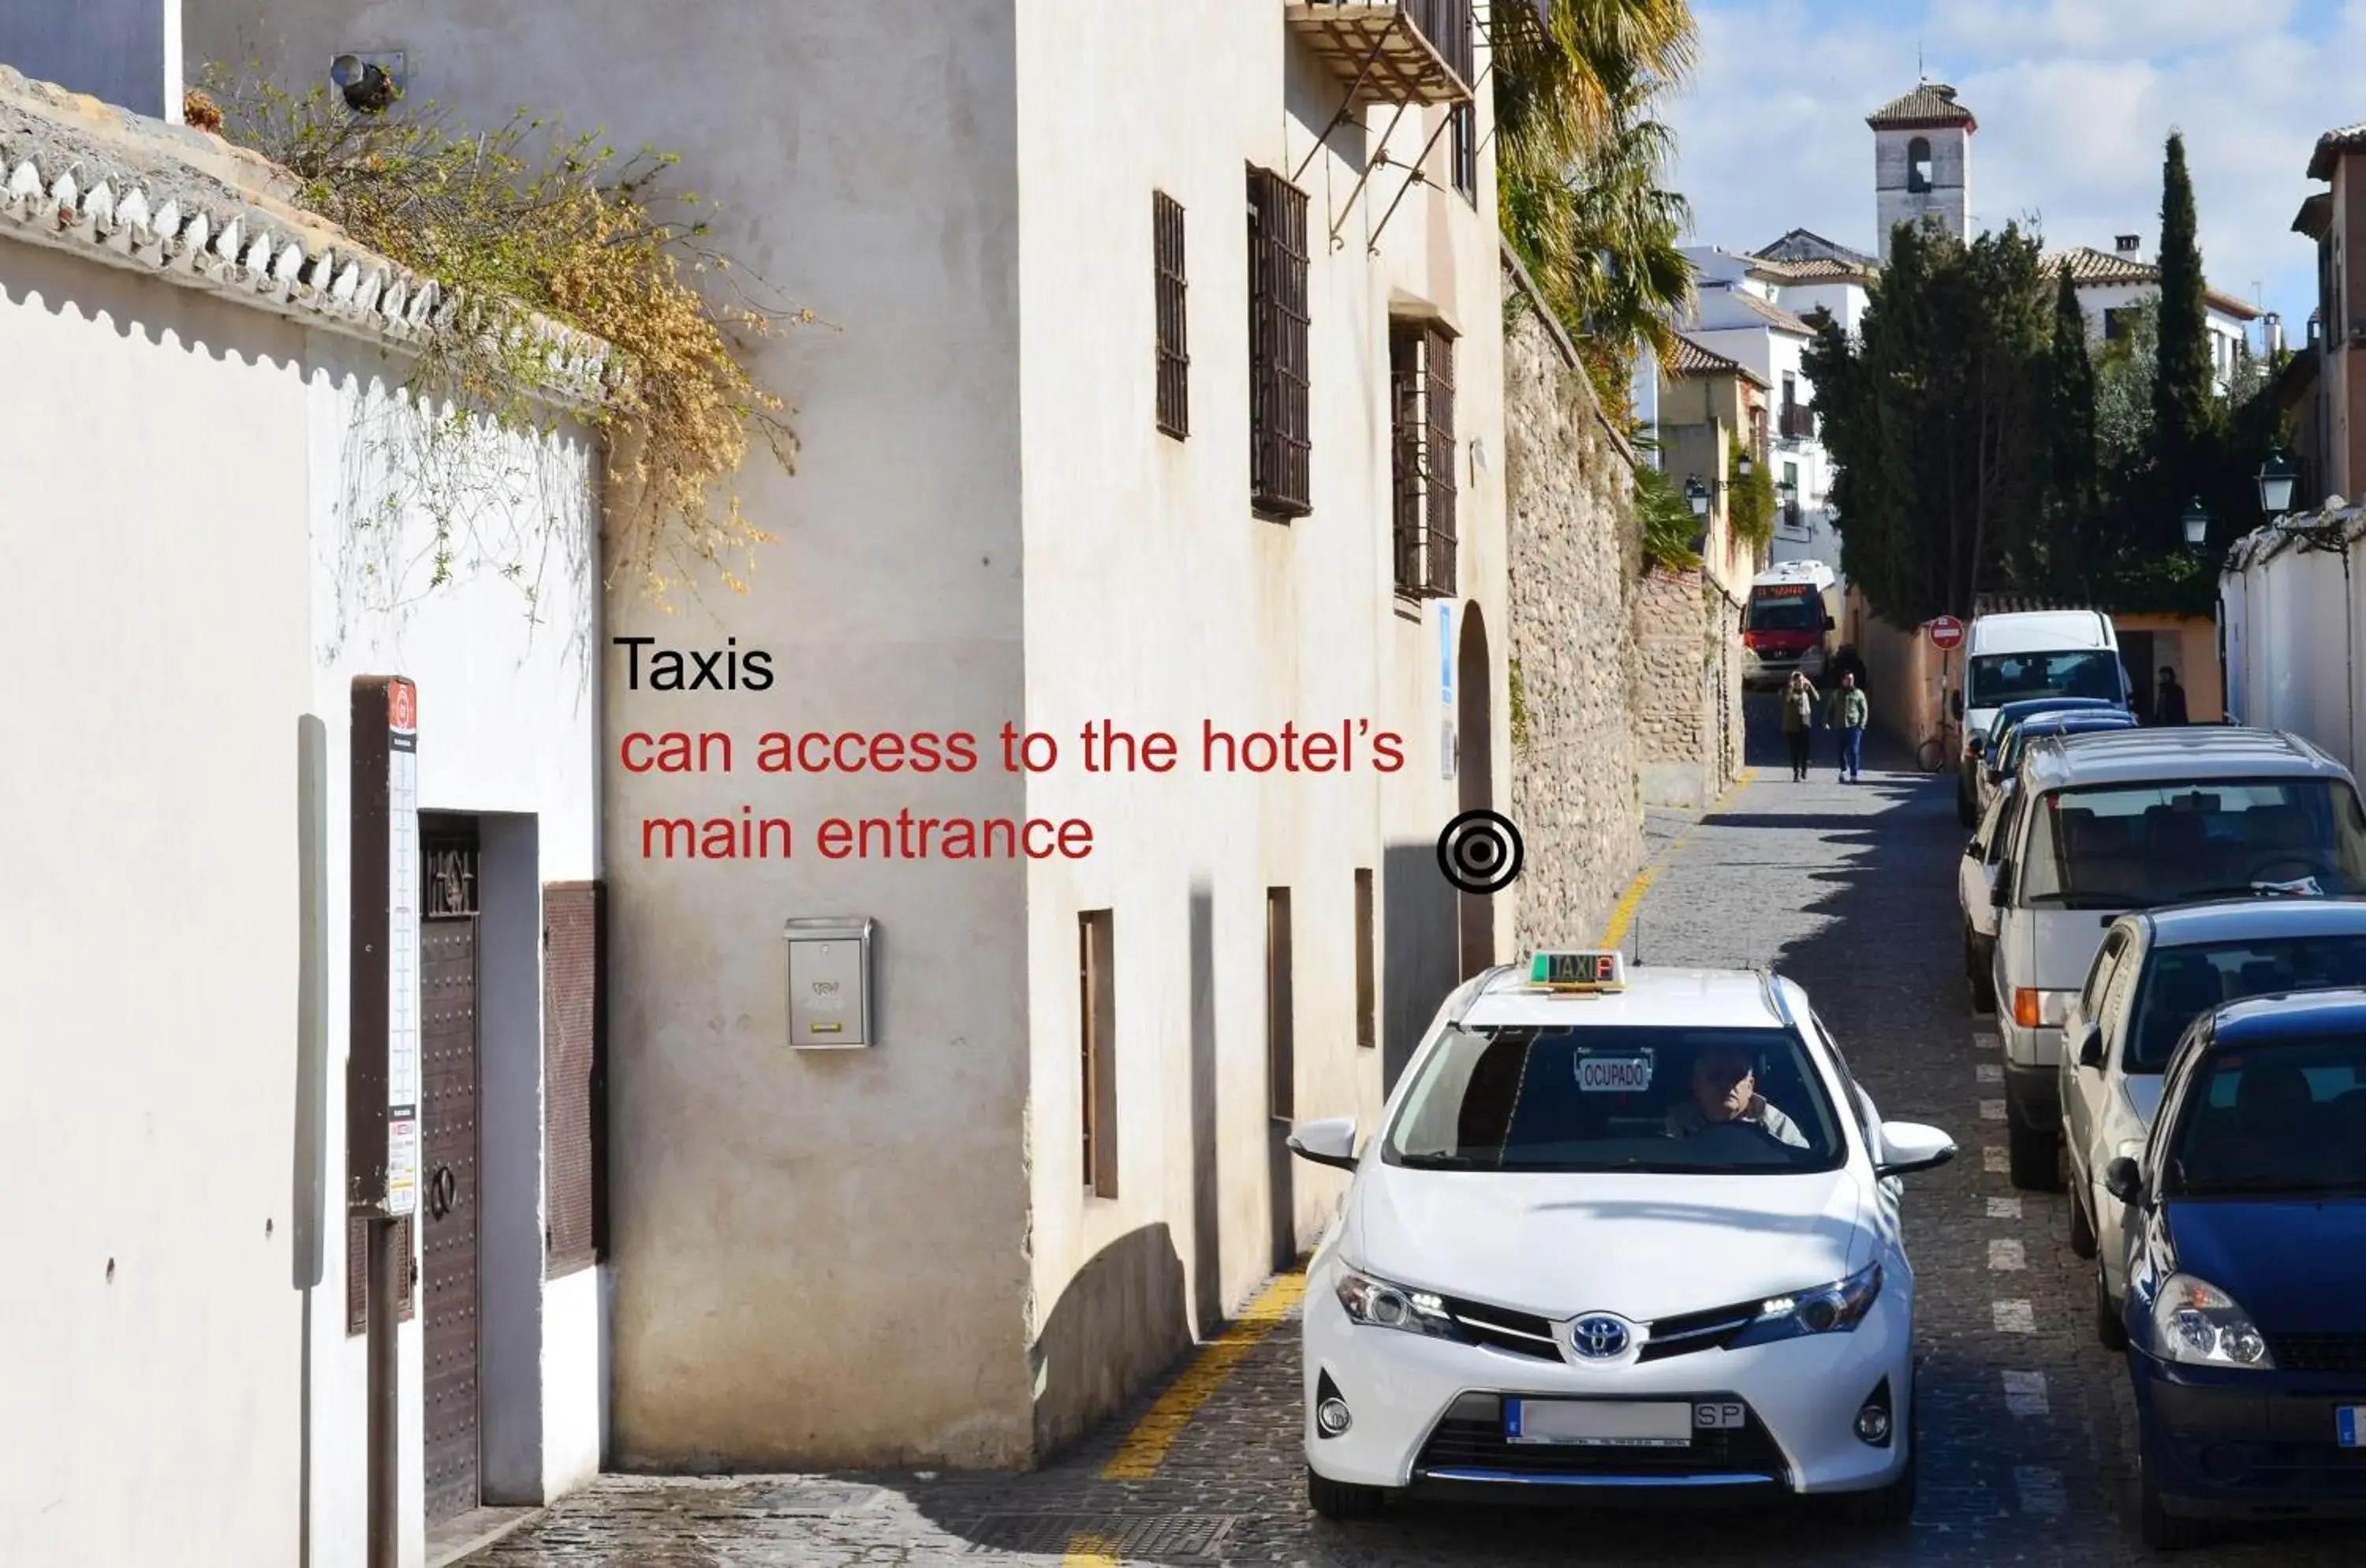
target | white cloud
[{"x": 2072, "y": 118}]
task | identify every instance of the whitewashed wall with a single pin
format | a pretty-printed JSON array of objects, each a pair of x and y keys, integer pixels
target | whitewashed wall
[
  {"x": 2294, "y": 625},
  {"x": 187, "y": 590}
]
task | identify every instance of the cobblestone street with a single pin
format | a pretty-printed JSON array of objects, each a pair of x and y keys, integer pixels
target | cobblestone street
[{"x": 2025, "y": 1426}]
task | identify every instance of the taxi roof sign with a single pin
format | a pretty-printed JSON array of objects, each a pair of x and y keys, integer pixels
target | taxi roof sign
[{"x": 1587, "y": 970}]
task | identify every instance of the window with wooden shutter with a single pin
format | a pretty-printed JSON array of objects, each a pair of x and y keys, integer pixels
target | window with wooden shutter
[
  {"x": 1281, "y": 442},
  {"x": 1425, "y": 495},
  {"x": 574, "y": 1063},
  {"x": 1174, "y": 336}
]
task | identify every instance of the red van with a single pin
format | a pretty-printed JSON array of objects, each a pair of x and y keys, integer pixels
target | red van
[{"x": 1793, "y": 610}]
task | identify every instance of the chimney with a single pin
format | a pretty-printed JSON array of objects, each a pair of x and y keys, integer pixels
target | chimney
[
  {"x": 125, "y": 53},
  {"x": 2130, "y": 245},
  {"x": 2271, "y": 327}
]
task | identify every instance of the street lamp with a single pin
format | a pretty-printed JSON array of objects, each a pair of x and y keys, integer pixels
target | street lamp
[
  {"x": 2276, "y": 479},
  {"x": 1696, "y": 496},
  {"x": 1743, "y": 465},
  {"x": 2197, "y": 523}
]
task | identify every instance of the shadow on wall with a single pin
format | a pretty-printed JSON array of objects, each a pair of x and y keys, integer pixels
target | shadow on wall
[
  {"x": 1119, "y": 1323},
  {"x": 1207, "y": 1258},
  {"x": 1419, "y": 951}
]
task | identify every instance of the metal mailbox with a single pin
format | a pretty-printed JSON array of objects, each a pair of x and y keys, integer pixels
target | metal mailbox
[{"x": 830, "y": 983}]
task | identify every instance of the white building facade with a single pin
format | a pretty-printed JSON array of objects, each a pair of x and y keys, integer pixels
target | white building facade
[
  {"x": 224, "y": 511},
  {"x": 2111, "y": 282},
  {"x": 1203, "y": 429}
]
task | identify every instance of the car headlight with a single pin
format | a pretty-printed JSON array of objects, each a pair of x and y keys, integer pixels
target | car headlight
[
  {"x": 2040, "y": 1009},
  {"x": 2195, "y": 1322},
  {"x": 1828, "y": 1309},
  {"x": 1377, "y": 1303}
]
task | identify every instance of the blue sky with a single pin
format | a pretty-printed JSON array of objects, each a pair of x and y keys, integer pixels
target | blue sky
[{"x": 2074, "y": 97}]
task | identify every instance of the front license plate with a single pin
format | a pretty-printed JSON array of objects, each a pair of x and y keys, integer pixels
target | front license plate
[
  {"x": 1598, "y": 1423},
  {"x": 2349, "y": 1426}
]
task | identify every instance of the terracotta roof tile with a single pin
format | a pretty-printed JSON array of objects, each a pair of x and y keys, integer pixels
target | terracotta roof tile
[
  {"x": 2331, "y": 145},
  {"x": 1932, "y": 103},
  {"x": 1695, "y": 359},
  {"x": 2089, "y": 267}
]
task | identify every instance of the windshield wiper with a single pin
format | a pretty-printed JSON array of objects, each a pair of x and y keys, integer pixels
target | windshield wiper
[{"x": 1440, "y": 1161}]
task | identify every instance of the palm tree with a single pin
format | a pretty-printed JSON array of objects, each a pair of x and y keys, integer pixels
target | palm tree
[{"x": 1581, "y": 163}]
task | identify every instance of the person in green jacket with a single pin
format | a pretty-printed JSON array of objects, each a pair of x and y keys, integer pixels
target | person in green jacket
[
  {"x": 1849, "y": 714},
  {"x": 1798, "y": 721}
]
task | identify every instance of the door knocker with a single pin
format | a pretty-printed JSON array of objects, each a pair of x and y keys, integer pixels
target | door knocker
[{"x": 441, "y": 1190}]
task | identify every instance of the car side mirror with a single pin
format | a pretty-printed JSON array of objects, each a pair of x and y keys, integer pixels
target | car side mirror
[
  {"x": 1972, "y": 850},
  {"x": 1955, "y": 704},
  {"x": 1831, "y": 624},
  {"x": 1331, "y": 1142},
  {"x": 1909, "y": 1146},
  {"x": 2122, "y": 1180},
  {"x": 2090, "y": 1047}
]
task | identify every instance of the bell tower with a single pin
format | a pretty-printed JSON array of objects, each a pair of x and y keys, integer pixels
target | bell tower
[{"x": 1923, "y": 161}]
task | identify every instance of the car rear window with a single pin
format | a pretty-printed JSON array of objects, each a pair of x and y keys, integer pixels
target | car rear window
[
  {"x": 2126, "y": 846},
  {"x": 2183, "y": 982}
]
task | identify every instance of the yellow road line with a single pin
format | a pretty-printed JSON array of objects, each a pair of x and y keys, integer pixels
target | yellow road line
[
  {"x": 1622, "y": 914},
  {"x": 1144, "y": 1448},
  {"x": 1090, "y": 1552}
]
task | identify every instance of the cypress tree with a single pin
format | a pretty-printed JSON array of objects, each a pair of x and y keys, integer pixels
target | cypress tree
[{"x": 2183, "y": 397}]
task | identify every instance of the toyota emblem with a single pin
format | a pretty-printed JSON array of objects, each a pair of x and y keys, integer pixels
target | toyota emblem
[{"x": 1598, "y": 1338}]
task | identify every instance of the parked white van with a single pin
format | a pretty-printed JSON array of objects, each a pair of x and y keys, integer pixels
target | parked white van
[
  {"x": 2029, "y": 653},
  {"x": 2111, "y": 822}
]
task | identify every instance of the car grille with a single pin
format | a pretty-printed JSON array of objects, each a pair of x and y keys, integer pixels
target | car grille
[
  {"x": 2319, "y": 1352},
  {"x": 1696, "y": 1331},
  {"x": 1472, "y": 1438},
  {"x": 1526, "y": 1334},
  {"x": 1500, "y": 1328}
]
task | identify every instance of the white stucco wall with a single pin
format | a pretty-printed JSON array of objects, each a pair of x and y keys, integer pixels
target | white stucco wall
[
  {"x": 1156, "y": 600},
  {"x": 157, "y": 602},
  {"x": 2229, "y": 334},
  {"x": 864, "y": 158},
  {"x": 508, "y": 712},
  {"x": 982, "y": 528},
  {"x": 231, "y": 596}
]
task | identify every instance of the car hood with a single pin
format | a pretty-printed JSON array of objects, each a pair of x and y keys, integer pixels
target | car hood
[
  {"x": 2297, "y": 1265},
  {"x": 1642, "y": 1245}
]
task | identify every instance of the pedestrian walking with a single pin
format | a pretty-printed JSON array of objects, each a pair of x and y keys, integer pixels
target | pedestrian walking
[
  {"x": 1850, "y": 712},
  {"x": 1798, "y": 721},
  {"x": 2169, "y": 701}
]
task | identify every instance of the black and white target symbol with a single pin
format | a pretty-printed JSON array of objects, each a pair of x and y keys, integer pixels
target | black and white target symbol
[{"x": 1481, "y": 852}]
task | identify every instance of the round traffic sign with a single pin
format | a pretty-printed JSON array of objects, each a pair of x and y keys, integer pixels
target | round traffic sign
[{"x": 1946, "y": 632}]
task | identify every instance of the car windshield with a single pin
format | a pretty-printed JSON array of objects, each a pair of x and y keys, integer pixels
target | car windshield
[
  {"x": 1787, "y": 612},
  {"x": 1618, "y": 1098},
  {"x": 1999, "y": 678},
  {"x": 2183, "y": 982},
  {"x": 2289, "y": 1119},
  {"x": 2126, "y": 846}
]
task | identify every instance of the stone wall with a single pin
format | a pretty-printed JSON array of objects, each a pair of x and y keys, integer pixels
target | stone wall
[
  {"x": 1576, "y": 547},
  {"x": 1687, "y": 691}
]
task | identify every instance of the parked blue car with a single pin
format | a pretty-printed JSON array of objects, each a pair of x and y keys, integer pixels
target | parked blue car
[{"x": 2246, "y": 1311}]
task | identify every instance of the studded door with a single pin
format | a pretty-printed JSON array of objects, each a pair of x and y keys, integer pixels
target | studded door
[{"x": 448, "y": 1202}]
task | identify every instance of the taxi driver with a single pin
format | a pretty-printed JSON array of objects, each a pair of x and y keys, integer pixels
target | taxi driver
[{"x": 1725, "y": 1088}]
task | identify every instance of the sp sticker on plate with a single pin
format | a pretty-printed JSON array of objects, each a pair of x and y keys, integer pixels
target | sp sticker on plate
[{"x": 1614, "y": 1075}]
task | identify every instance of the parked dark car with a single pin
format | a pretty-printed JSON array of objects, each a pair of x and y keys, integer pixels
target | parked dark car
[
  {"x": 2246, "y": 1309},
  {"x": 1969, "y": 796}
]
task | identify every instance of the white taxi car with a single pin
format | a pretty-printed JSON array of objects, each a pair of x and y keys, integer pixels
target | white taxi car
[{"x": 1619, "y": 1234}]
